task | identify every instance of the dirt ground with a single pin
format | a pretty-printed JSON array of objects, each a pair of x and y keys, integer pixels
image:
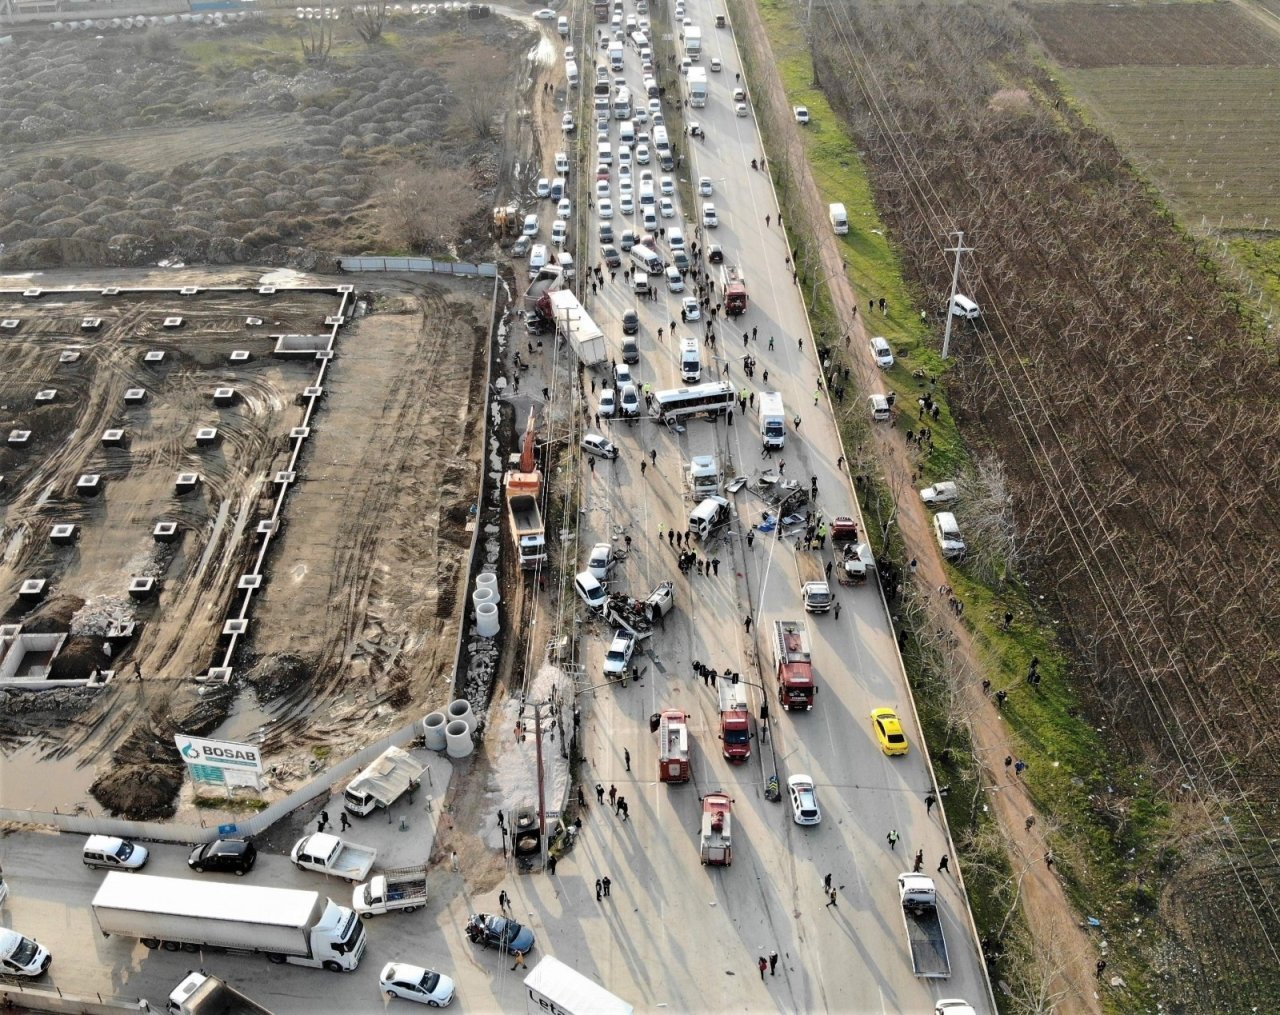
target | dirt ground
[{"x": 358, "y": 616}]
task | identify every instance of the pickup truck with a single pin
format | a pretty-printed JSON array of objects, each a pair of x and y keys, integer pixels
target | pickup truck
[
  {"x": 328, "y": 854},
  {"x": 919, "y": 899},
  {"x": 402, "y": 888},
  {"x": 201, "y": 993}
]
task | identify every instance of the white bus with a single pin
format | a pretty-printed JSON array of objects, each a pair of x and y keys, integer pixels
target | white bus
[
  {"x": 712, "y": 399},
  {"x": 773, "y": 420}
]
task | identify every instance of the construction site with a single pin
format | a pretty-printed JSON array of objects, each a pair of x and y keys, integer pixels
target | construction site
[{"x": 233, "y": 505}]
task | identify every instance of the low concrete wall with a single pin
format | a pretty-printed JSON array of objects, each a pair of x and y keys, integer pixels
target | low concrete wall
[
  {"x": 429, "y": 264},
  {"x": 29, "y": 997}
]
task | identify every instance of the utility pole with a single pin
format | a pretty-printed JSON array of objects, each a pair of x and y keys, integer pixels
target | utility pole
[
  {"x": 542, "y": 793},
  {"x": 958, "y": 249}
]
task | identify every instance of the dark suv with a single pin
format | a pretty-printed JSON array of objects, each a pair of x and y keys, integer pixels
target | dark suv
[
  {"x": 233, "y": 856},
  {"x": 630, "y": 322}
]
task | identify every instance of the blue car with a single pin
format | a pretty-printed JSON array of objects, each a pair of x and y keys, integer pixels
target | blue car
[{"x": 499, "y": 932}]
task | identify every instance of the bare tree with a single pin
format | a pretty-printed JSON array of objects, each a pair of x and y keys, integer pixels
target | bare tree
[
  {"x": 370, "y": 19},
  {"x": 424, "y": 208},
  {"x": 316, "y": 38}
]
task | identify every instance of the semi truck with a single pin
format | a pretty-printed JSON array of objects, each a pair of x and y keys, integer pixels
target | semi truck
[
  {"x": 400, "y": 888},
  {"x": 201, "y": 993},
  {"x": 716, "y": 839},
  {"x": 523, "y": 483},
  {"x": 381, "y": 784},
  {"x": 673, "y": 746},
  {"x": 552, "y": 988},
  {"x": 571, "y": 320},
  {"x": 704, "y": 476},
  {"x": 773, "y": 420},
  {"x": 696, "y": 83},
  {"x": 794, "y": 664},
  {"x": 693, "y": 43},
  {"x": 327, "y": 854},
  {"x": 284, "y": 924},
  {"x": 735, "y": 721},
  {"x": 919, "y": 899},
  {"x": 814, "y": 588}
]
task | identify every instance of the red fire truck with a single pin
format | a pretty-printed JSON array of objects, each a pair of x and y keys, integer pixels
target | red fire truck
[
  {"x": 735, "y": 291},
  {"x": 716, "y": 840},
  {"x": 794, "y": 662},
  {"x": 735, "y": 722},
  {"x": 673, "y": 746}
]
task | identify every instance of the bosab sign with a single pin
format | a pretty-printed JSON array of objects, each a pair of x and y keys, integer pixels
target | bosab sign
[{"x": 218, "y": 753}]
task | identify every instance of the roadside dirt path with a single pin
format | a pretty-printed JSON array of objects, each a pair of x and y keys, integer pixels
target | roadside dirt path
[{"x": 1063, "y": 947}]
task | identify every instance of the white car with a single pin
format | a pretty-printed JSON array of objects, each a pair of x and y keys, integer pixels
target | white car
[
  {"x": 630, "y": 400},
  {"x": 739, "y": 109},
  {"x": 530, "y": 226},
  {"x": 626, "y": 203},
  {"x": 543, "y": 187},
  {"x": 624, "y": 159},
  {"x": 881, "y": 352},
  {"x": 564, "y": 209},
  {"x": 642, "y": 154},
  {"x": 667, "y": 186},
  {"x": 940, "y": 493},
  {"x": 675, "y": 238},
  {"x": 625, "y": 185},
  {"x": 709, "y": 217},
  {"x": 689, "y": 309},
  {"x": 675, "y": 282},
  {"x": 804, "y": 800},
  {"x": 590, "y": 591},
  {"x": 666, "y": 208},
  {"x": 602, "y": 190},
  {"x": 562, "y": 164},
  {"x": 641, "y": 116},
  {"x": 600, "y": 560},
  {"x": 602, "y": 129},
  {"x": 601, "y": 447},
  {"x": 655, "y": 108},
  {"x": 801, "y": 114},
  {"x": 716, "y": 65},
  {"x": 621, "y": 649},
  {"x": 608, "y": 402},
  {"x": 559, "y": 232},
  {"x": 414, "y": 983},
  {"x": 686, "y": 22},
  {"x": 545, "y": 14},
  {"x": 605, "y": 209},
  {"x": 705, "y": 187},
  {"x": 622, "y": 375},
  {"x": 649, "y": 220},
  {"x": 568, "y": 124}
]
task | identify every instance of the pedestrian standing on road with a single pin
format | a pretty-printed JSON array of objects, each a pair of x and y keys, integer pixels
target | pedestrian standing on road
[
  {"x": 1001, "y": 697},
  {"x": 613, "y": 794},
  {"x": 828, "y": 568},
  {"x": 795, "y": 421},
  {"x": 1030, "y": 822},
  {"x": 1049, "y": 860},
  {"x": 892, "y": 838},
  {"x": 623, "y": 809},
  {"x": 551, "y": 865},
  {"x": 519, "y": 962},
  {"x": 782, "y": 465},
  {"x": 1008, "y": 763},
  {"x": 915, "y": 869},
  {"x": 344, "y": 821},
  {"x": 582, "y": 798},
  {"x": 763, "y": 964},
  {"x": 944, "y": 864},
  {"x": 714, "y": 676},
  {"x": 643, "y": 465},
  {"x": 751, "y": 537},
  {"x": 653, "y": 456},
  {"x": 773, "y": 963},
  {"x": 1099, "y": 967},
  {"x": 826, "y": 883},
  {"x": 837, "y": 609},
  {"x": 767, "y": 220},
  {"x": 746, "y": 623},
  {"x": 1019, "y": 767},
  {"x": 816, "y": 393},
  {"x": 619, "y": 803},
  {"x": 626, "y": 756},
  {"x": 503, "y": 900},
  {"x": 591, "y": 463},
  {"x": 986, "y": 687},
  {"x": 671, "y": 537},
  {"x": 599, "y": 889},
  {"x": 831, "y": 900},
  {"x": 599, "y": 793},
  {"x": 715, "y": 566},
  {"x": 607, "y": 884},
  {"x": 929, "y": 801},
  {"x": 771, "y": 343},
  {"x": 453, "y": 861}
]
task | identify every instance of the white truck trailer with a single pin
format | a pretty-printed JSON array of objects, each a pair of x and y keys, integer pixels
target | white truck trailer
[
  {"x": 695, "y": 81},
  {"x": 286, "y": 925},
  {"x": 552, "y": 987},
  {"x": 773, "y": 420},
  {"x": 575, "y": 324},
  {"x": 381, "y": 784}
]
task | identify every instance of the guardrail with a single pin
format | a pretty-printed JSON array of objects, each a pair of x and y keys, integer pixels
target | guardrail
[{"x": 426, "y": 264}]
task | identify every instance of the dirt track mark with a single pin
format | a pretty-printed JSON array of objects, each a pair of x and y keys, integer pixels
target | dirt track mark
[{"x": 145, "y": 148}]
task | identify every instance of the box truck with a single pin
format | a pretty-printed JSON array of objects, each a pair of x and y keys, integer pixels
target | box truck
[
  {"x": 286, "y": 925},
  {"x": 553, "y": 987}
]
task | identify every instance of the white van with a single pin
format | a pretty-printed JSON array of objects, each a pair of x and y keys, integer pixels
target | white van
[
  {"x": 881, "y": 352},
  {"x": 690, "y": 361},
  {"x": 646, "y": 260},
  {"x": 110, "y": 853},
  {"x": 773, "y": 420},
  {"x": 962, "y": 306},
  {"x": 709, "y": 516},
  {"x": 562, "y": 26},
  {"x": 604, "y": 153},
  {"x": 567, "y": 268},
  {"x": 947, "y": 532},
  {"x": 538, "y": 258},
  {"x": 880, "y": 409},
  {"x": 839, "y": 218},
  {"x": 640, "y": 283},
  {"x": 627, "y": 132},
  {"x": 571, "y": 72},
  {"x": 675, "y": 281},
  {"x": 557, "y": 188}
]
